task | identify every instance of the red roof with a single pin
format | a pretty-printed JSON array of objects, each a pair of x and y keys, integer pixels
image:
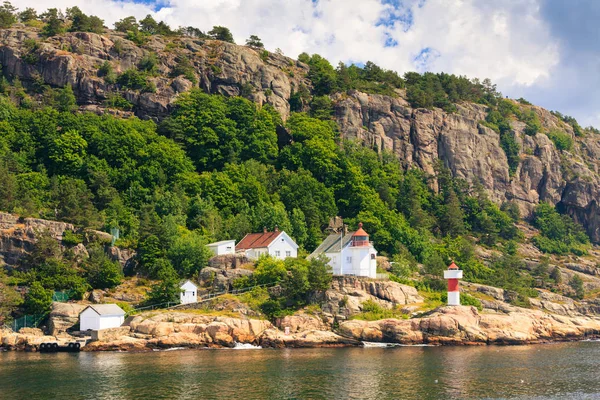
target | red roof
[
  {"x": 360, "y": 231},
  {"x": 257, "y": 240},
  {"x": 453, "y": 266}
]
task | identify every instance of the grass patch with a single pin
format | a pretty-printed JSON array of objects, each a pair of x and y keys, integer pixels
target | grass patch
[{"x": 372, "y": 311}]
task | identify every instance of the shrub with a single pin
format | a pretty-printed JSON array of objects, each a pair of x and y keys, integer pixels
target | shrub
[
  {"x": 71, "y": 238},
  {"x": 38, "y": 300},
  {"x": 563, "y": 141},
  {"x": 264, "y": 55},
  {"x": 118, "y": 46},
  {"x": 468, "y": 300},
  {"x": 31, "y": 56},
  {"x": 101, "y": 271},
  {"x": 116, "y": 100},
  {"x": 106, "y": 71},
  {"x": 372, "y": 311},
  {"x": 577, "y": 284},
  {"x": 149, "y": 64},
  {"x": 186, "y": 68},
  {"x": 132, "y": 79}
]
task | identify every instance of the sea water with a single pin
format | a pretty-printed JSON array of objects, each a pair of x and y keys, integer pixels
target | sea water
[{"x": 563, "y": 370}]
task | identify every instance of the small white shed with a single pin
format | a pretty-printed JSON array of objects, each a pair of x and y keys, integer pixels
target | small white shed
[
  {"x": 101, "y": 316},
  {"x": 223, "y": 247},
  {"x": 189, "y": 292}
]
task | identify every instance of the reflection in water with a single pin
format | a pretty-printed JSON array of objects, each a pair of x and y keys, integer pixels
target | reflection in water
[{"x": 568, "y": 370}]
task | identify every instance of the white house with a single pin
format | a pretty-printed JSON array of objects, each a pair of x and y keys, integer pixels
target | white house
[
  {"x": 222, "y": 247},
  {"x": 277, "y": 244},
  {"x": 189, "y": 292},
  {"x": 101, "y": 316},
  {"x": 350, "y": 253}
]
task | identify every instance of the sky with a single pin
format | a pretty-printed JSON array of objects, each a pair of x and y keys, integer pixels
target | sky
[{"x": 546, "y": 51}]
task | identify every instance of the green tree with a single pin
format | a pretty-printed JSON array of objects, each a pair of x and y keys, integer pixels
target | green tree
[
  {"x": 167, "y": 290},
  {"x": 254, "y": 41},
  {"x": 65, "y": 99},
  {"x": 54, "y": 23},
  {"x": 269, "y": 270},
  {"x": 221, "y": 33},
  {"x": 102, "y": 272},
  {"x": 10, "y": 299},
  {"x": 127, "y": 24},
  {"x": 189, "y": 254},
  {"x": 8, "y": 15},
  {"x": 29, "y": 14},
  {"x": 73, "y": 202},
  {"x": 577, "y": 284},
  {"x": 68, "y": 152},
  {"x": 319, "y": 274},
  {"x": 556, "y": 276},
  {"x": 149, "y": 25},
  {"x": 299, "y": 230},
  {"x": 37, "y": 300}
]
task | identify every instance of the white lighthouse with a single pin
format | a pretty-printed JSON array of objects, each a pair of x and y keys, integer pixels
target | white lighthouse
[{"x": 453, "y": 274}]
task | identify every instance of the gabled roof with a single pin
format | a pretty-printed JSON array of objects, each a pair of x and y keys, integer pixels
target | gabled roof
[
  {"x": 331, "y": 244},
  {"x": 183, "y": 282},
  {"x": 106, "y": 309},
  {"x": 257, "y": 240},
  {"x": 221, "y": 242}
]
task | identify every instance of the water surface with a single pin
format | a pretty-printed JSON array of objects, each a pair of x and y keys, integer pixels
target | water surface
[{"x": 566, "y": 370}]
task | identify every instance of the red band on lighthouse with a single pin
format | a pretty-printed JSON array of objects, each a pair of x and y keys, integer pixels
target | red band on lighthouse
[{"x": 453, "y": 285}]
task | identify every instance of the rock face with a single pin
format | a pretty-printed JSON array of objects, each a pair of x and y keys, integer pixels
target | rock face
[
  {"x": 63, "y": 316},
  {"x": 190, "y": 330},
  {"x": 348, "y": 293},
  {"x": 420, "y": 137},
  {"x": 17, "y": 236},
  {"x": 464, "y": 325},
  {"x": 220, "y": 67}
]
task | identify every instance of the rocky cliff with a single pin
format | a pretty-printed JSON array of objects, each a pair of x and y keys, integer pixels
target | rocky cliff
[{"x": 419, "y": 137}]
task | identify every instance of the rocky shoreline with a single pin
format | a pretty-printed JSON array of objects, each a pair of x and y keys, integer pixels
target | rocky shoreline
[{"x": 462, "y": 325}]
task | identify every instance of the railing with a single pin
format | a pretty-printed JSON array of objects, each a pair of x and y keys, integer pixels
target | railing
[
  {"x": 62, "y": 296},
  {"x": 211, "y": 296},
  {"x": 204, "y": 298},
  {"x": 27, "y": 321}
]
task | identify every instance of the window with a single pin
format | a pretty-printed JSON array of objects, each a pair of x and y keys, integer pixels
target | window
[
  {"x": 277, "y": 253},
  {"x": 372, "y": 256},
  {"x": 228, "y": 247},
  {"x": 288, "y": 253},
  {"x": 349, "y": 260}
]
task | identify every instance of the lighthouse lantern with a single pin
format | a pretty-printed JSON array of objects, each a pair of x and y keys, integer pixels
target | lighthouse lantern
[{"x": 453, "y": 274}]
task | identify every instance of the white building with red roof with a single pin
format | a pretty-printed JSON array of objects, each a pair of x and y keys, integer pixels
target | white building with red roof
[
  {"x": 349, "y": 253},
  {"x": 277, "y": 244}
]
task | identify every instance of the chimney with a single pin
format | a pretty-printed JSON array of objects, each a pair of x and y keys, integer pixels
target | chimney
[
  {"x": 264, "y": 229},
  {"x": 276, "y": 228}
]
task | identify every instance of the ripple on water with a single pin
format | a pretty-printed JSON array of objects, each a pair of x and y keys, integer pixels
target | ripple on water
[{"x": 566, "y": 370}]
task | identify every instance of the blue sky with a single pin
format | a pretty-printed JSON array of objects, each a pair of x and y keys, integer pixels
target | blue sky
[{"x": 547, "y": 51}]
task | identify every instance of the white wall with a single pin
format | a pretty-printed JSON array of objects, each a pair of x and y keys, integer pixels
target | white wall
[
  {"x": 189, "y": 293},
  {"x": 111, "y": 321},
  {"x": 354, "y": 261},
  {"x": 89, "y": 319},
  {"x": 283, "y": 247},
  {"x": 254, "y": 254},
  {"x": 224, "y": 248}
]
